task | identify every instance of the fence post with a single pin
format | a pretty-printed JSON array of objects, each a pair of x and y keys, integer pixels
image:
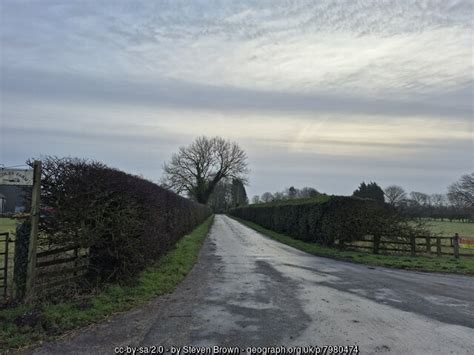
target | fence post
[
  {"x": 76, "y": 257},
  {"x": 35, "y": 213},
  {"x": 438, "y": 246},
  {"x": 5, "y": 267},
  {"x": 428, "y": 245},
  {"x": 413, "y": 245},
  {"x": 376, "y": 244},
  {"x": 456, "y": 245}
]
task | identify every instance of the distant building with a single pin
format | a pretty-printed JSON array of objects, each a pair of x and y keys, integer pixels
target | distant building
[{"x": 14, "y": 198}]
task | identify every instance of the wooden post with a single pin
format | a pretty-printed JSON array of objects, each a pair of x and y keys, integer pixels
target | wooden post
[
  {"x": 456, "y": 245},
  {"x": 5, "y": 267},
  {"x": 428, "y": 245},
  {"x": 32, "y": 245},
  {"x": 76, "y": 257},
  {"x": 438, "y": 246},
  {"x": 376, "y": 244},
  {"x": 413, "y": 245}
]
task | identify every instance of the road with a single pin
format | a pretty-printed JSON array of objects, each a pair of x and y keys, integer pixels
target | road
[{"x": 247, "y": 289}]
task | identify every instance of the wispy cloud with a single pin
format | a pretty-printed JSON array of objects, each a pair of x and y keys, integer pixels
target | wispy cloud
[{"x": 381, "y": 80}]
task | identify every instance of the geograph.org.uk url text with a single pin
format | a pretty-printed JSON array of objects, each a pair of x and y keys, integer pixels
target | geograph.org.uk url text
[{"x": 251, "y": 350}]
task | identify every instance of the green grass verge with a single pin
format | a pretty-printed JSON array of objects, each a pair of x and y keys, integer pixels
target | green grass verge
[
  {"x": 420, "y": 263},
  {"x": 50, "y": 320}
]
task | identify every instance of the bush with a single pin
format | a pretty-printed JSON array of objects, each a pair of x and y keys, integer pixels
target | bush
[
  {"x": 126, "y": 221},
  {"x": 324, "y": 221}
]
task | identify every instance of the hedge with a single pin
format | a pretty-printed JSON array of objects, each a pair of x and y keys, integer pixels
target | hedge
[
  {"x": 127, "y": 222},
  {"x": 324, "y": 221}
]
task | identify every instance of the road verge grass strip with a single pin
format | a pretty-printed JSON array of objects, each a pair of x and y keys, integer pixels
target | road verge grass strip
[
  {"x": 420, "y": 263},
  {"x": 24, "y": 325}
]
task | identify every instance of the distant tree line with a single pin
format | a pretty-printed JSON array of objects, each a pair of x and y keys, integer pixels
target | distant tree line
[
  {"x": 289, "y": 193},
  {"x": 457, "y": 204}
]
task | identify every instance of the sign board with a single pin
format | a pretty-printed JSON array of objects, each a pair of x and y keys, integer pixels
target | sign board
[
  {"x": 19, "y": 177},
  {"x": 465, "y": 242}
]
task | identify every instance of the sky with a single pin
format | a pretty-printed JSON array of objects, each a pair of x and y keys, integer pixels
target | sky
[{"x": 318, "y": 93}]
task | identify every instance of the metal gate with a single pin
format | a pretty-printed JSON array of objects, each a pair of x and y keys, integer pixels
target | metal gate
[{"x": 4, "y": 253}]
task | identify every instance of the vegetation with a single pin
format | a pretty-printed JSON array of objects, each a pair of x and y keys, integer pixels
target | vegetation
[
  {"x": 327, "y": 220},
  {"x": 228, "y": 194},
  {"x": 461, "y": 193},
  {"x": 26, "y": 324},
  {"x": 395, "y": 195},
  {"x": 447, "y": 229},
  {"x": 126, "y": 221},
  {"x": 291, "y": 193},
  {"x": 458, "y": 204},
  {"x": 284, "y": 202},
  {"x": 419, "y": 263},
  {"x": 7, "y": 225},
  {"x": 198, "y": 168},
  {"x": 371, "y": 190}
]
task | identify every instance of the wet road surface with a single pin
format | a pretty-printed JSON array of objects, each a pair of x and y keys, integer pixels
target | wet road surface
[{"x": 247, "y": 289}]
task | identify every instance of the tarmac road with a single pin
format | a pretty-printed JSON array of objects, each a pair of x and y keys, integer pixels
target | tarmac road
[{"x": 247, "y": 290}]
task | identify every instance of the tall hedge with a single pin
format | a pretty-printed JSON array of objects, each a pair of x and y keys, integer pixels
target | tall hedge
[
  {"x": 127, "y": 222},
  {"x": 338, "y": 218}
]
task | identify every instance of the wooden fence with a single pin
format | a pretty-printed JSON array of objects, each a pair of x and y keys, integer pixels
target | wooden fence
[
  {"x": 4, "y": 271},
  {"x": 418, "y": 245},
  {"x": 60, "y": 266}
]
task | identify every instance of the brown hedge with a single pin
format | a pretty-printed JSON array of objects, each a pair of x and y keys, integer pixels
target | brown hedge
[
  {"x": 338, "y": 218},
  {"x": 126, "y": 221}
]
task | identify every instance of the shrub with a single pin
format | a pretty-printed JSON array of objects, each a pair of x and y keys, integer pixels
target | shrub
[
  {"x": 325, "y": 221},
  {"x": 126, "y": 221}
]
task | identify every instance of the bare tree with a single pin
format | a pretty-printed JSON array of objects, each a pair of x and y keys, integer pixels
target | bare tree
[
  {"x": 395, "y": 195},
  {"x": 307, "y": 192},
  {"x": 256, "y": 199},
  {"x": 198, "y": 168},
  {"x": 438, "y": 200},
  {"x": 267, "y": 197},
  {"x": 461, "y": 193},
  {"x": 419, "y": 198},
  {"x": 279, "y": 196}
]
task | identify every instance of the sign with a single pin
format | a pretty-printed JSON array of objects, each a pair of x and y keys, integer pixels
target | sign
[
  {"x": 19, "y": 177},
  {"x": 467, "y": 243}
]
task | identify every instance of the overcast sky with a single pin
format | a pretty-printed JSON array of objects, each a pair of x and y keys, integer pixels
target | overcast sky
[{"x": 318, "y": 93}]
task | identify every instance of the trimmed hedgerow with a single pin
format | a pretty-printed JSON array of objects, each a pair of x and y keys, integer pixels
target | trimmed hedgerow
[
  {"x": 127, "y": 222},
  {"x": 325, "y": 221}
]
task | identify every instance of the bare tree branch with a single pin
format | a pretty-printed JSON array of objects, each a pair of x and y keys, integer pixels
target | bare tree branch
[{"x": 198, "y": 168}]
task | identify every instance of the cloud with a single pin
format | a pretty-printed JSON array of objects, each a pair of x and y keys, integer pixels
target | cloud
[
  {"x": 167, "y": 93},
  {"x": 361, "y": 88}
]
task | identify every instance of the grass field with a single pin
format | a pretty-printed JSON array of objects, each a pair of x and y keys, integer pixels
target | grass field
[
  {"x": 420, "y": 263},
  {"x": 51, "y": 320},
  {"x": 7, "y": 225},
  {"x": 447, "y": 229}
]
